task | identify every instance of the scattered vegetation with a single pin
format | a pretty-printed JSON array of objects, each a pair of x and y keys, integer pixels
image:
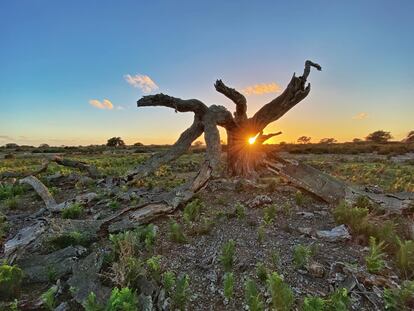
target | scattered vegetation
[
  {"x": 10, "y": 281},
  {"x": 228, "y": 282},
  {"x": 176, "y": 233},
  {"x": 405, "y": 257},
  {"x": 74, "y": 211},
  {"x": 281, "y": 293},
  {"x": 270, "y": 212},
  {"x": 91, "y": 304},
  {"x": 192, "y": 210},
  {"x": 261, "y": 233},
  {"x": 302, "y": 255},
  {"x": 48, "y": 298},
  {"x": 261, "y": 271},
  {"x": 337, "y": 301},
  {"x": 168, "y": 281},
  {"x": 70, "y": 238},
  {"x": 400, "y": 298},
  {"x": 123, "y": 299},
  {"x": 253, "y": 297},
  {"x": 182, "y": 292},
  {"x": 227, "y": 255},
  {"x": 240, "y": 210},
  {"x": 375, "y": 259},
  {"x": 4, "y": 226}
]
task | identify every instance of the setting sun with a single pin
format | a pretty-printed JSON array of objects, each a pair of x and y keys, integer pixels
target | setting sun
[{"x": 252, "y": 139}]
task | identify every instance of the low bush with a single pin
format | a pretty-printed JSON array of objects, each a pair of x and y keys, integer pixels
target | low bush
[{"x": 10, "y": 281}]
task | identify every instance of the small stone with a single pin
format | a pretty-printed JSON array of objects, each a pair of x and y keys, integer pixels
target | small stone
[
  {"x": 336, "y": 234},
  {"x": 316, "y": 270},
  {"x": 259, "y": 201}
]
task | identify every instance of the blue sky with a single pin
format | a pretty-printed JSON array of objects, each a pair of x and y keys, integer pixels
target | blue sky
[{"x": 58, "y": 56}]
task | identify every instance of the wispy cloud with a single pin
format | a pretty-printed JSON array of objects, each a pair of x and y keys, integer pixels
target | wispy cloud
[
  {"x": 263, "y": 88},
  {"x": 360, "y": 116},
  {"x": 105, "y": 104},
  {"x": 143, "y": 82},
  {"x": 5, "y": 137}
]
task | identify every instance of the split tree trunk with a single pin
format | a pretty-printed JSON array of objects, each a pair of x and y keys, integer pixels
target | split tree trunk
[{"x": 242, "y": 158}]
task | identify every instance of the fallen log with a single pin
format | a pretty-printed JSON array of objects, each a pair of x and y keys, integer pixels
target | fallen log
[{"x": 40, "y": 189}]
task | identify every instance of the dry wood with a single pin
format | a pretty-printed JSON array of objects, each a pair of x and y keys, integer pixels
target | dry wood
[{"x": 40, "y": 189}]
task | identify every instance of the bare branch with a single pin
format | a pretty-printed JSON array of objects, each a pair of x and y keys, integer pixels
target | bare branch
[
  {"x": 239, "y": 99},
  {"x": 179, "y": 148},
  {"x": 178, "y": 104},
  {"x": 293, "y": 94},
  {"x": 263, "y": 137},
  {"x": 91, "y": 169},
  {"x": 40, "y": 189}
]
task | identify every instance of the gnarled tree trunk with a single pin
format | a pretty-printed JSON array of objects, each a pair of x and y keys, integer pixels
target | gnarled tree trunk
[{"x": 243, "y": 158}]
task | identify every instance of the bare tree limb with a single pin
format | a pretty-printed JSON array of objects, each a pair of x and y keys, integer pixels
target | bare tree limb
[
  {"x": 263, "y": 137},
  {"x": 91, "y": 169},
  {"x": 180, "y": 147},
  {"x": 239, "y": 99},
  {"x": 40, "y": 189},
  {"x": 178, "y": 104},
  {"x": 293, "y": 94}
]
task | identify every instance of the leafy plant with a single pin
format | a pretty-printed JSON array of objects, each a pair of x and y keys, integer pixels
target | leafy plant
[
  {"x": 168, "y": 281},
  {"x": 228, "y": 282},
  {"x": 240, "y": 210},
  {"x": 154, "y": 266},
  {"x": 301, "y": 255},
  {"x": 74, "y": 211},
  {"x": 261, "y": 271},
  {"x": 354, "y": 217},
  {"x": 48, "y": 298},
  {"x": 400, "y": 298},
  {"x": 405, "y": 257},
  {"x": 9, "y": 191},
  {"x": 282, "y": 294},
  {"x": 182, "y": 292},
  {"x": 176, "y": 233},
  {"x": 114, "y": 204},
  {"x": 69, "y": 238},
  {"x": 275, "y": 258},
  {"x": 314, "y": 304},
  {"x": 261, "y": 233},
  {"x": 192, "y": 210},
  {"x": 227, "y": 255},
  {"x": 253, "y": 297},
  {"x": 339, "y": 300},
  {"x": 91, "y": 304},
  {"x": 10, "y": 281},
  {"x": 270, "y": 212},
  {"x": 374, "y": 260},
  {"x": 123, "y": 299}
]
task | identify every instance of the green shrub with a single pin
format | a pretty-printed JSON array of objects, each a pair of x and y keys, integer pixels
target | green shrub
[
  {"x": 176, "y": 233},
  {"x": 168, "y": 281},
  {"x": 9, "y": 191},
  {"x": 240, "y": 210},
  {"x": 74, "y": 211},
  {"x": 339, "y": 300},
  {"x": 270, "y": 212},
  {"x": 70, "y": 238},
  {"x": 282, "y": 294},
  {"x": 91, "y": 304},
  {"x": 154, "y": 266},
  {"x": 182, "y": 292},
  {"x": 122, "y": 300},
  {"x": 227, "y": 255},
  {"x": 275, "y": 258},
  {"x": 301, "y": 255},
  {"x": 204, "y": 227},
  {"x": 10, "y": 281},
  {"x": 4, "y": 226},
  {"x": 253, "y": 297},
  {"x": 261, "y": 271},
  {"x": 48, "y": 298},
  {"x": 228, "y": 282},
  {"x": 400, "y": 298},
  {"x": 405, "y": 257},
  {"x": 261, "y": 233},
  {"x": 374, "y": 260},
  {"x": 192, "y": 210},
  {"x": 136, "y": 239},
  {"x": 354, "y": 217},
  {"x": 114, "y": 204},
  {"x": 314, "y": 304}
]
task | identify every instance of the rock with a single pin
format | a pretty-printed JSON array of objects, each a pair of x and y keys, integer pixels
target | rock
[
  {"x": 305, "y": 230},
  {"x": 40, "y": 268},
  {"x": 85, "y": 279},
  {"x": 316, "y": 270},
  {"x": 336, "y": 234},
  {"x": 64, "y": 306},
  {"x": 259, "y": 201},
  {"x": 307, "y": 215}
]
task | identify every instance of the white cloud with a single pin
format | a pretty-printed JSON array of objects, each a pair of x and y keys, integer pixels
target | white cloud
[
  {"x": 263, "y": 88},
  {"x": 143, "y": 82},
  {"x": 105, "y": 104},
  {"x": 360, "y": 116}
]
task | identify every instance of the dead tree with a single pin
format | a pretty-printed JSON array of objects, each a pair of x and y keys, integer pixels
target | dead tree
[{"x": 244, "y": 135}]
